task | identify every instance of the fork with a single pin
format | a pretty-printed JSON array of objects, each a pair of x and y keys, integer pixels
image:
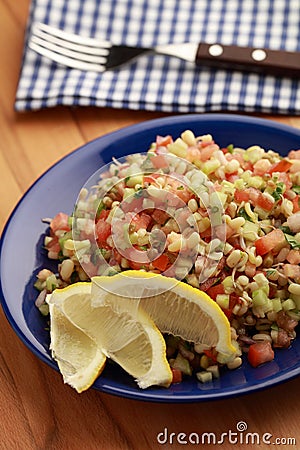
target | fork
[{"x": 91, "y": 54}]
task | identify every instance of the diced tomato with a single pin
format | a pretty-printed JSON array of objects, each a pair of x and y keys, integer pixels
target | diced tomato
[
  {"x": 140, "y": 221},
  {"x": 235, "y": 241},
  {"x": 265, "y": 202},
  {"x": 281, "y": 166},
  {"x": 171, "y": 199},
  {"x": 286, "y": 180},
  {"x": 234, "y": 299},
  {"x": 132, "y": 205},
  {"x": 294, "y": 256},
  {"x": 193, "y": 154},
  {"x": 159, "y": 161},
  {"x": 104, "y": 214},
  {"x": 135, "y": 265},
  {"x": 208, "y": 283},
  {"x": 232, "y": 177},
  {"x": 261, "y": 167},
  {"x": 247, "y": 165},
  {"x": 259, "y": 353},
  {"x": 294, "y": 154},
  {"x": 274, "y": 240},
  {"x": 103, "y": 231},
  {"x": 211, "y": 354},
  {"x": 255, "y": 197},
  {"x": 241, "y": 196},
  {"x": 136, "y": 257},
  {"x": 213, "y": 291},
  {"x": 207, "y": 151},
  {"x": 53, "y": 245},
  {"x": 163, "y": 141},
  {"x": 291, "y": 270},
  {"x": 249, "y": 194},
  {"x": 151, "y": 179},
  {"x": 160, "y": 216},
  {"x": 206, "y": 233},
  {"x": 180, "y": 190},
  {"x": 296, "y": 204},
  {"x": 60, "y": 222},
  {"x": 176, "y": 376},
  {"x": 161, "y": 263}
]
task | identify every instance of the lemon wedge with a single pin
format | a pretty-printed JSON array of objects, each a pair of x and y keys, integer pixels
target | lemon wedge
[
  {"x": 175, "y": 307},
  {"x": 134, "y": 342},
  {"x": 79, "y": 359}
]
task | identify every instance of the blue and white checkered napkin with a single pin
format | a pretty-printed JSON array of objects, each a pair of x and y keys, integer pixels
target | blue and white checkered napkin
[{"x": 157, "y": 82}]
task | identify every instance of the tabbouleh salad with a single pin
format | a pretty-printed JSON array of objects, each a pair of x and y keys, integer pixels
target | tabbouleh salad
[{"x": 255, "y": 273}]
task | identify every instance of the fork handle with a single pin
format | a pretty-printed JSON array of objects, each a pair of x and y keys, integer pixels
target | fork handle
[{"x": 249, "y": 59}]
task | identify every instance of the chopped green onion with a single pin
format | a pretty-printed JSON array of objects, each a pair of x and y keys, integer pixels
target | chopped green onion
[
  {"x": 230, "y": 148},
  {"x": 292, "y": 241},
  {"x": 296, "y": 189},
  {"x": 242, "y": 213},
  {"x": 278, "y": 191}
]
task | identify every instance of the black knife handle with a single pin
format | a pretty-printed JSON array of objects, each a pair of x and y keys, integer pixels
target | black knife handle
[{"x": 250, "y": 59}]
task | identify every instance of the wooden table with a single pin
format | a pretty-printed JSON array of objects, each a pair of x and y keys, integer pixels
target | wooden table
[{"x": 37, "y": 411}]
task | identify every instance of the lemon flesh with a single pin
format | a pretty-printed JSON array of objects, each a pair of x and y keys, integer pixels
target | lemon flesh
[
  {"x": 79, "y": 359},
  {"x": 175, "y": 307},
  {"x": 134, "y": 342}
]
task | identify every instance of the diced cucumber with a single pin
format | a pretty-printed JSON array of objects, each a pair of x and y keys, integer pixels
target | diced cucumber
[
  {"x": 204, "y": 377},
  {"x": 133, "y": 180},
  {"x": 250, "y": 230},
  {"x": 44, "y": 309},
  {"x": 214, "y": 370},
  {"x": 277, "y": 306},
  {"x": 51, "y": 283},
  {"x": 288, "y": 305},
  {"x": 40, "y": 285},
  {"x": 259, "y": 297},
  {"x": 182, "y": 364},
  {"x": 210, "y": 166},
  {"x": 223, "y": 300}
]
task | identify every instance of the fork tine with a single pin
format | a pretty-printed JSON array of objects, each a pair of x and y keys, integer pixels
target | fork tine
[
  {"x": 100, "y": 51},
  {"x": 66, "y": 61},
  {"x": 74, "y": 38},
  {"x": 94, "y": 59}
]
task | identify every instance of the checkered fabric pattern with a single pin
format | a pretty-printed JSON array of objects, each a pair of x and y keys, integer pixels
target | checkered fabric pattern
[{"x": 158, "y": 82}]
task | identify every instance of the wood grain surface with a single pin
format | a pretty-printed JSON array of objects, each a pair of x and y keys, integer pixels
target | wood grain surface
[{"x": 37, "y": 411}]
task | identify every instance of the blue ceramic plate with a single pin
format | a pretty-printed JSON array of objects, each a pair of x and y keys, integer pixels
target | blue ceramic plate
[{"x": 57, "y": 189}]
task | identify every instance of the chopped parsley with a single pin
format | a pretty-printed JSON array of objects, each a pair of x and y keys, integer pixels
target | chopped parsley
[
  {"x": 292, "y": 241},
  {"x": 242, "y": 213},
  {"x": 278, "y": 191},
  {"x": 296, "y": 189},
  {"x": 286, "y": 229}
]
